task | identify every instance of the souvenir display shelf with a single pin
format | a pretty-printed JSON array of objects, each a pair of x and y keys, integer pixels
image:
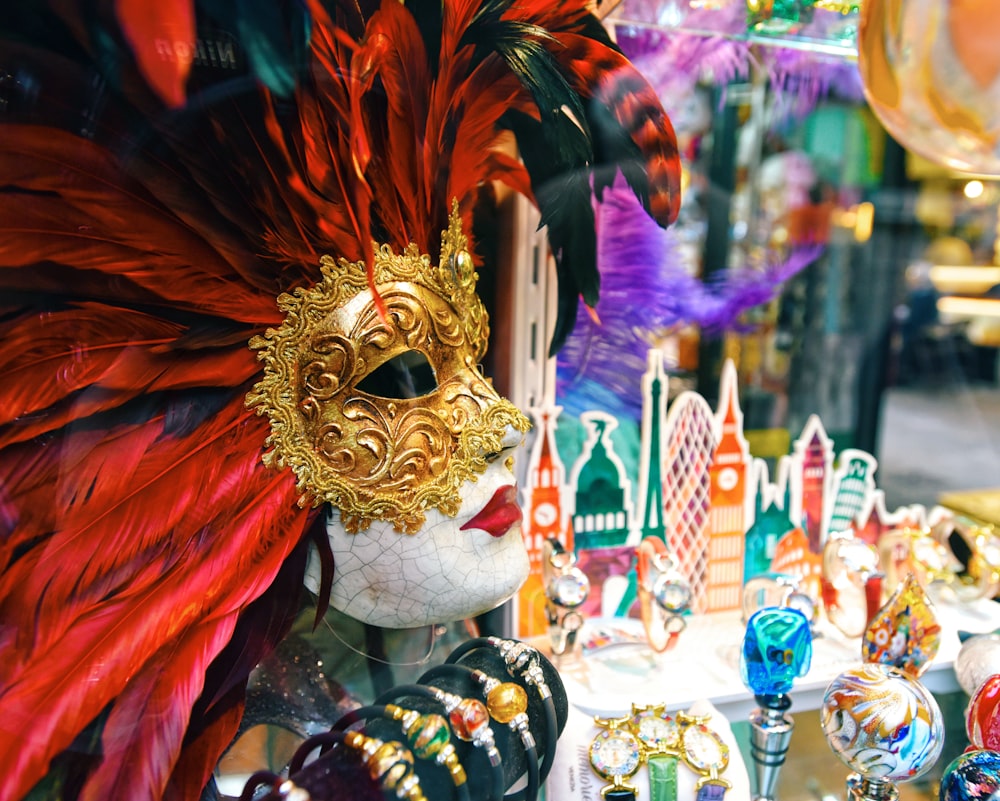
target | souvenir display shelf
[{"x": 705, "y": 663}]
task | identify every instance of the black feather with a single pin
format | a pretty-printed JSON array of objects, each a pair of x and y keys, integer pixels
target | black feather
[
  {"x": 561, "y": 185},
  {"x": 521, "y": 46}
]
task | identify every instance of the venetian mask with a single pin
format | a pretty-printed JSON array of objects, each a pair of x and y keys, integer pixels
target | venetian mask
[{"x": 384, "y": 414}]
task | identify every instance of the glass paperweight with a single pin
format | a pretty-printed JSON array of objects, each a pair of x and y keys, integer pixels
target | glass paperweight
[
  {"x": 973, "y": 776},
  {"x": 851, "y": 581},
  {"x": 977, "y": 660},
  {"x": 882, "y": 723},
  {"x": 905, "y": 632},
  {"x": 777, "y": 649},
  {"x": 930, "y": 72},
  {"x": 982, "y": 719},
  {"x": 914, "y": 550}
]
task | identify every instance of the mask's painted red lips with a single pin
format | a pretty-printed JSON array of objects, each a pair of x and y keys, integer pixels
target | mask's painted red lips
[{"x": 499, "y": 514}]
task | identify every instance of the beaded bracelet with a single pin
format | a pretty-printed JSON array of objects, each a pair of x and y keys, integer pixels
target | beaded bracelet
[
  {"x": 519, "y": 656},
  {"x": 256, "y": 780},
  {"x": 470, "y": 721},
  {"x": 428, "y": 735},
  {"x": 506, "y": 702},
  {"x": 389, "y": 763}
]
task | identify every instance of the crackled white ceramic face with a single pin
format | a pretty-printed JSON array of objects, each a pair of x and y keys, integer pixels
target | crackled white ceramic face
[{"x": 451, "y": 569}]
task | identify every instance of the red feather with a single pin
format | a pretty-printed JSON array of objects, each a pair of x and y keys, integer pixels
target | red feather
[
  {"x": 151, "y": 716},
  {"x": 117, "y": 354},
  {"x": 77, "y": 206},
  {"x": 200, "y": 756},
  {"x": 146, "y": 589},
  {"x": 140, "y": 524}
]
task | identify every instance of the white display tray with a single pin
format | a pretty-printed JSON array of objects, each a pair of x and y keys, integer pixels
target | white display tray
[{"x": 705, "y": 663}]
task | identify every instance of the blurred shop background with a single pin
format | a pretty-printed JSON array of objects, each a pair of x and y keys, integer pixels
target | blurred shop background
[
  {"x": 876, "y": 276},
  {"x": 890, "y": 331}
]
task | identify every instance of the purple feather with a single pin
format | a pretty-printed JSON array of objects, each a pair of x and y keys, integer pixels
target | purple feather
[
  {"x": 646, "y": 292},
  {"x": 800, "y": 79}
]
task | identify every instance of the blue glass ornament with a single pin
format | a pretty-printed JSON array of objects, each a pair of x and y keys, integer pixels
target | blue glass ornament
[
  {"x": 777, "y": 649},
  {"x": 973, "y": 776}
]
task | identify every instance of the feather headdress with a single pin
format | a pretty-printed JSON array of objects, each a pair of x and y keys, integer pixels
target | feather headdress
[{"x": 152, "y": 208}]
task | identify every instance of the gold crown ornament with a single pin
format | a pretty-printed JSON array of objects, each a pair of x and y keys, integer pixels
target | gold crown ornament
[{"x": 383, "y": 413}]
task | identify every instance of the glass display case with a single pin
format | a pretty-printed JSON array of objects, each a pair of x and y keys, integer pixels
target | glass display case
[{"x": 497, "y": 400}]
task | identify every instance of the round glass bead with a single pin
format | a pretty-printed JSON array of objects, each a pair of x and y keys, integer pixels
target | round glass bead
[
  {"x": 978, "y": 659},
  {"x": 468, "y": 718},
  {"x": 982, "y": 722},
  {"x": 390, "y": 762},
  {"x": 427, "y": 735},
  {"x": 506, "y": 701}
]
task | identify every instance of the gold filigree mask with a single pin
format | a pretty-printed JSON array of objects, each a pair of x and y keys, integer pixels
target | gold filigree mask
[{"x": 383, "y": 418}]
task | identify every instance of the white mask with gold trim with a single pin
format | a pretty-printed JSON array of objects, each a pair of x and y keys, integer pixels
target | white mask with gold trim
[{"x": 389, "y": 419}]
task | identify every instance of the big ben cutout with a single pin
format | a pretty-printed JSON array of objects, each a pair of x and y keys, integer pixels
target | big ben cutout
[
  {"x": 544, "y": 519},
  {"x": 728, "y": 494}
]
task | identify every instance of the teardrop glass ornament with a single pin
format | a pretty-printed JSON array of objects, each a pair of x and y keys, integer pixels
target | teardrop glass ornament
[{"x": 905, "y": 632}]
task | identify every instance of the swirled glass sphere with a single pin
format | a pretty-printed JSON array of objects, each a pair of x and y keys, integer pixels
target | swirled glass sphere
[
  {"x": 973, "y": 776},
  {"x": 882, "y": 723},
  {"x": 977, "y": 660},
  {"x": 931, "y": 73}
]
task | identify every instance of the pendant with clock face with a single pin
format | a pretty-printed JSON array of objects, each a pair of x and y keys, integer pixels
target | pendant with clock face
[
  {"x": 657, "y": 731},
  {"x": 704, "y": 750},
  {"x": 569, "y": 589},
  {"x": 615, "y": 753},
  {"x": 672, "y": 592}
]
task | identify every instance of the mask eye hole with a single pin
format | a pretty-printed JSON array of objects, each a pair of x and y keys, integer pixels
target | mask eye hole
[{"x": 406, "y": 375}]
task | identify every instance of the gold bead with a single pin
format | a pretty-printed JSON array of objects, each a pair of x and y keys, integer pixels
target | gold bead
[
  {"x": 506, "y": 701},
  {"x": 390, "y": 763}
]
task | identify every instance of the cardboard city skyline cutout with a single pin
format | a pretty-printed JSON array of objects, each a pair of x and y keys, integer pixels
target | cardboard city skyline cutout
[{"x": 700, "y": 490}]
